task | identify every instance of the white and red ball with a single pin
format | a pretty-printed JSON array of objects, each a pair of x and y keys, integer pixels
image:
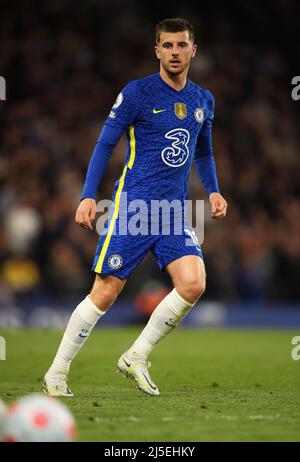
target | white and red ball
[{"x": 36, "y": 418}]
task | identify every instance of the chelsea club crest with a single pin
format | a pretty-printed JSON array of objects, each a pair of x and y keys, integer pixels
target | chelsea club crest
[
  {"x": 115, "y": 261},
  {"x": 199, "y": 114}
]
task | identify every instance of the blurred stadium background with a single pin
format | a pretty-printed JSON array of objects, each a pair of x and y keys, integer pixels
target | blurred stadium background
[{"x": 64, "y": 63}]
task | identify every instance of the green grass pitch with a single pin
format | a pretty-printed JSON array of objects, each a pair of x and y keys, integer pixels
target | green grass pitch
[{"x": 216, "y": 385}]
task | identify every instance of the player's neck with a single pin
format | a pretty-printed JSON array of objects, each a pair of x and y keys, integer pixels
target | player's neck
[{"x": 177, "y": 81}]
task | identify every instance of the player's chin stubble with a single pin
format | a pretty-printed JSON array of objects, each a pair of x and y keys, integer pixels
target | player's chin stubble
[{"x": 171, "y": 71}]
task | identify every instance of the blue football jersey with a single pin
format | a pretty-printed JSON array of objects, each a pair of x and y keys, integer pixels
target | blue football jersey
[{"x": 163, "y": 128}]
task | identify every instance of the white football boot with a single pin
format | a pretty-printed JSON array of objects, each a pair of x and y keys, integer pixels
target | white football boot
[
  {"x": 138, "y": 371},
  {"x": 56, "y": 385}
]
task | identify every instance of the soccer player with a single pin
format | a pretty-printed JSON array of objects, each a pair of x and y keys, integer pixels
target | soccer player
[{"x": 168, "y": 120}]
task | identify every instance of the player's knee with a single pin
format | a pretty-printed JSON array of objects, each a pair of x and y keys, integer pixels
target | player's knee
[
  {"x": 105, "y": 291},
  {"x": 103, "y": 298},
  {"x": 201, "y": 288},
  {"x": 192, "y": 290},
  {"x": 196, "y": 290}
]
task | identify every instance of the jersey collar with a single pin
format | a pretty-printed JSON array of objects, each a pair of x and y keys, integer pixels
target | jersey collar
[{"x": 171, "y": 89}]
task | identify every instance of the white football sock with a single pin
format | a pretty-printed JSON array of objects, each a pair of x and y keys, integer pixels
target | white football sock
[
  {"x": 164, "y": 319},
  {"x": 82, "y": 321}
]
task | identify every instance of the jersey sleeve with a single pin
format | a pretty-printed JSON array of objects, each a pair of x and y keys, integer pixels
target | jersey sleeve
[
  {"x": 122, "y": 115},
  {"x": 125, "y": 109},
  {"x": 204, "y": 156},
  {"x": 107, "y": 140}
]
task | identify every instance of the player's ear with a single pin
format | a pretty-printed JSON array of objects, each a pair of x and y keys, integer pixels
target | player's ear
[
  {"x": 156, "y": 49},
  {"x": 194, "y": 48}
]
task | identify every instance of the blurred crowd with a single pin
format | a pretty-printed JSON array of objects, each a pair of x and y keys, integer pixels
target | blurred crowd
[{"x": 65, "y": 62}]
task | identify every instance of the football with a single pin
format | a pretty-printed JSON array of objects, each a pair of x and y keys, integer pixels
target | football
[{"x": 38, "y": 418}]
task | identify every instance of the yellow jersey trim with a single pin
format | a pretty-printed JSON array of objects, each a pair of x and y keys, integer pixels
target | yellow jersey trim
[
  {"x": 129, "y": 165},
  {"x": 132, "y": 146}
]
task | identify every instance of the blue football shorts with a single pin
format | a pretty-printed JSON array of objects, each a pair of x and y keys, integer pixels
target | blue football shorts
[{"x": 119, "y": 255}]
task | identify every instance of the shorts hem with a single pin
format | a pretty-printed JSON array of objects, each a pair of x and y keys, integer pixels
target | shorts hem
[{"x": 112, "y": 274}]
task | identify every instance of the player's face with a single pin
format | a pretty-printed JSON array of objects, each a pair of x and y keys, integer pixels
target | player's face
[{"x": 175, "y": 51}]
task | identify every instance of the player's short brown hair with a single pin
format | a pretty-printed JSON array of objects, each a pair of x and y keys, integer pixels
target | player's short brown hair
[{"x": 174, "y": 25}]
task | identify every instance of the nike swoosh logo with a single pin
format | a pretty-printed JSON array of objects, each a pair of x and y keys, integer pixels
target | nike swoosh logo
[
  {"x": 83, "y": 334},
  {"x": 153, "y": 388},
  {"x": 170, "y": 325},
  {"x": 127, "y": 364},
  {"x": 156, "y": 111}
]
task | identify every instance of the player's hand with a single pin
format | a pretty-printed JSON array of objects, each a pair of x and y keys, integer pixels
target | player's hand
[
  {"x": 86, "y": 213},
  {"x": 218, "y": 206}
]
